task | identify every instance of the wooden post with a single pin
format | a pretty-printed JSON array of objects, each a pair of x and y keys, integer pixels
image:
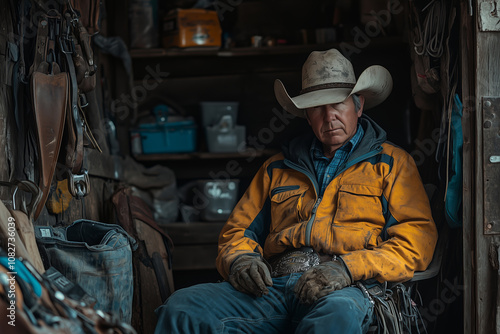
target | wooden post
[
  {"x": 467, "y": 47},
  {"x": 484, "y": 230}
]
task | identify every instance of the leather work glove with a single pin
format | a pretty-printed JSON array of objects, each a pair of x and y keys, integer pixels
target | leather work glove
[
  {"x": 321, "y": 280},
  {"x": 249, "y": 274}
]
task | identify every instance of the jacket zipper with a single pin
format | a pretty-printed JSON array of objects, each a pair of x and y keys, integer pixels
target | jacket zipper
[
  {"x": 315, "y": 186},
  {"x": 311, "y": 221},
  {"x": 318, "y": 199}
]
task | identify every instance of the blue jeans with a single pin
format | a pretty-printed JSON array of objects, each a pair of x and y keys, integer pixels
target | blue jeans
[{"x": 219, "y": 308}]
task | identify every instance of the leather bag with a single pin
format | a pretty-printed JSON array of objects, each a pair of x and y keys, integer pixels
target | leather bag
[{"x": 95, "y": 255}]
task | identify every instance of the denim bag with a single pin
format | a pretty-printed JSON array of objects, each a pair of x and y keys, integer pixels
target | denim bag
[{"x": 98, "y": 257}]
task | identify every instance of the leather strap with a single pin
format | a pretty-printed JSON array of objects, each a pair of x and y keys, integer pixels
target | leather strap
[
  {"x": 41, "y": 43},
  {"x": 49, "y": 89},
  {"x": 84, "y": 39},
  {"x": 74, "y": 154}
]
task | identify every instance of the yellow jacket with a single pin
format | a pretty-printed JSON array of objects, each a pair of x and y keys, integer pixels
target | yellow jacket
[{"x": 375, "y": 212}]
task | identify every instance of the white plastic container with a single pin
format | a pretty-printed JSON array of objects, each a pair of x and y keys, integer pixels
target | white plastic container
[{"x": 212, "y": 112}]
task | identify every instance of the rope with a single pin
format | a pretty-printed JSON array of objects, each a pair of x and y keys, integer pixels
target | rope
[
  {"x": 429, "y": 41},
  {"x": 395, "y": 311}
]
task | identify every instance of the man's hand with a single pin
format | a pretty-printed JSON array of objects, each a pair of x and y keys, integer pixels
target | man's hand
[
  {"x": 250, "y": 274},
  {"x": 321, "y": 280}
]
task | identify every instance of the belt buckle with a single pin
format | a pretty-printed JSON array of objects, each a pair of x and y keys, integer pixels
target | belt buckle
[{"x": 295, "y": 261}]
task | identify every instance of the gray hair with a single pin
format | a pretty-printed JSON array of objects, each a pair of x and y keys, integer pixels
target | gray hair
[{"x": 357, "y": 102}]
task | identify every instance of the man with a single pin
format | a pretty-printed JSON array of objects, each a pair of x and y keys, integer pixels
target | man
[{"x": 336, "y": 207}]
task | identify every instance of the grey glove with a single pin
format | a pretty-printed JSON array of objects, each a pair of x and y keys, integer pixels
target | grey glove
[
  {"x": 251, "y": 275},
  {"x": 321, "y": 280}
]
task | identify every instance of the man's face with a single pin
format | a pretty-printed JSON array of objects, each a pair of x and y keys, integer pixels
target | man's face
[{"x": 335, "y": 124}]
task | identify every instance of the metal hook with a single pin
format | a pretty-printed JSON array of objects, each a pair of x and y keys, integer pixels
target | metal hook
[
  {"x": 14, "y": 206},
  {"x": 28, "y": 187},
  {"x": 79, "y": 184}
]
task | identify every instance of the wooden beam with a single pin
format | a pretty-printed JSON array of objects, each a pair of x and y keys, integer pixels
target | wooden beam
[
  {"x": 467, "y": 48},
  {"x": 487, "y": 66}
]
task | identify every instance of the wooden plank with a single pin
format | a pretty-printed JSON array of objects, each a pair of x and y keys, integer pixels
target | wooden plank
[
  {"x": 250, "y": 51},
  {"x": 194, "y": 257},
  {"x": 468, "y": 128},
  {"x": 487, "y": 84}
]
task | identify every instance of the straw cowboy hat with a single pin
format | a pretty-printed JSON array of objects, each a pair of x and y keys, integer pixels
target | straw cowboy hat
[{"x": 328, "y": 77}]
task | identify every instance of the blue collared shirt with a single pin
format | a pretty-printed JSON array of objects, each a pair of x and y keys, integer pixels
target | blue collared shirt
[{"x": 325, "y": 167}]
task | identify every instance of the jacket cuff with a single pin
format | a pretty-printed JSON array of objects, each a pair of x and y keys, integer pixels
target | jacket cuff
[{"x": 341, "y": 260}]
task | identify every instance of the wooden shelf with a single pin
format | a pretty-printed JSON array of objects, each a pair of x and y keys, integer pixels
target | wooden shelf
[
  {"x": 235, "y": 52},
  {"x": 247, "y": 51},
  {"x": 205, "y": 155}
]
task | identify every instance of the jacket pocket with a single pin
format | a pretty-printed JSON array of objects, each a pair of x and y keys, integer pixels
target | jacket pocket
[
  {"x": 359, "y": 203},
  {"x": 359, "y": 217},
  {"x": 285, "y": 206},
  {"x": 283, "y": 189}
]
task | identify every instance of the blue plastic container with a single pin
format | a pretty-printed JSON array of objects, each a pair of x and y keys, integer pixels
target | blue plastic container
[{"x": 169, "y": 137}]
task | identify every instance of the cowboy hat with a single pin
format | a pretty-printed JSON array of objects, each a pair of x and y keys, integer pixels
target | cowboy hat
[{"x": 328, "y": 77}]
